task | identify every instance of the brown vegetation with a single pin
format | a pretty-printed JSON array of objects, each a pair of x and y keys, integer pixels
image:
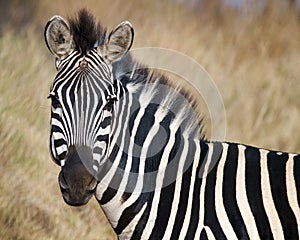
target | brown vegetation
[{"x": 254, "y": 60}]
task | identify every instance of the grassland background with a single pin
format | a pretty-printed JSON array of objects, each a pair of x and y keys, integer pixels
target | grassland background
[{"x": 253, "y": 58}]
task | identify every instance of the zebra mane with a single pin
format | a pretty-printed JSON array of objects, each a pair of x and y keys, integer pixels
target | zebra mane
[
  {"x": 86, "y": 31},
  {"x": 132, "y": 72}
]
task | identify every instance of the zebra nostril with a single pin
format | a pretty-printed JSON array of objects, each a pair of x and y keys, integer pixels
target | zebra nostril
[
  {"x": 92, "y": 186},
  {"x": 62, "y": 182}
]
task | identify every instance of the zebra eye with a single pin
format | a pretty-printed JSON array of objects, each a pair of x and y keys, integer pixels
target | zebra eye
[
  {"x": 109, "y": 106},
  {"x": 54, "y": 101}
]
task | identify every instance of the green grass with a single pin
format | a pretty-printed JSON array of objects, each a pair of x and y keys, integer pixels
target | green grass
[{"x": 254, "y": 62}]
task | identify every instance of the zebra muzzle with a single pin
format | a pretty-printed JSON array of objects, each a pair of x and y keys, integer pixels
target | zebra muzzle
[{"x": 76, "y": 181}]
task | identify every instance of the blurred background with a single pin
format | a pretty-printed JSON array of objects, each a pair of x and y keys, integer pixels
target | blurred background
[{"x": 250, "y": 48}]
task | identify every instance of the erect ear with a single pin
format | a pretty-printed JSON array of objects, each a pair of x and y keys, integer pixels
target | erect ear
[
  {"x": 118, "y": 43},
  {"x": 58, "y": 37}
]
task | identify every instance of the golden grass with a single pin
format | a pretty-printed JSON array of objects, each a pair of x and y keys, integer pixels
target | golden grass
[
  {"x": 253, "y": 60},
  {"x": 30, "y": 203}
]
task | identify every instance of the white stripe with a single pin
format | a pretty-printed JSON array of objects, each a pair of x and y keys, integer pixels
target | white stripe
[
  {"x": 81, "y": 114},
  {"x": 175, "y": 203},
  {"x": 268, "y": 202},
  {"x": 292, "y": 190},
  {"x": 102, "y": 186},
  {"x": 219, "y": 203},
  {"x": 61, "y": 149},
  {"x": 87, "y": 117},
  {"x": 159, "y": 181},
  {"x": 93, "y": 113},
  {"x": 130, "y": 154},
  {"x": 128, "y": 231},
  {"x": 67, "y": 119},
  {"x": 97, "y": 157},
  {"x": 95, "y": 168},
  {"x": 55, "y": 122},
  {"x": 58, "y": 135},
  {"x": 57, "y": 110},
  {"x": 209, "y": 233},
  {"x": 202, "y": 190},
  {"x": 100, "y": 144},
  {"x": 100, "y": 114},
  {"x": 62, "y": 162},
  {"x": 188, "y": 213},
  {"x": 144, "y": 103},
  {"x": 105, "y": 131},
  {"x": 117, "y": 125},
  {"x": 241, "y": 195},
  {"x": 117, "y": 205}
]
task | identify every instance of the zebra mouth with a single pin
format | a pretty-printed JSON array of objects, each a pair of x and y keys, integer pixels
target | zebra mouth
[
  {"x": 77, "y": 203},
  {"x": 76, "y": 194}
]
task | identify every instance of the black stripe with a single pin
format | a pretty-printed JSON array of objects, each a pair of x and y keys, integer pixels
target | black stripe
[
  {"x": 115, "y": 182},
  {"x": 154, "y": 154},
  {"x": 129, "y": 213},
  {"x": 68, "y": 109},
  {"x": 55, "y": 115},
  {"x": 85, "y": 96},
  {"x": 97, "y": 127},
  {"x": 98, "y": 150},
  {"x": 163, "y": 212},
  {"x": 91, "y": 100},
  {"x": 210, "y": 216},
  {"x": 59, "y": 142},
  {"x": 103, "y": 138},
  {"x": 106, "y": 122},
  {"x": 254, "y": 192},
  {"x": 108, "y": 194},
  {"x": 132, "y": 180},
  {"x": 229, "y": 193},
  {"x": 140, "y": 227},
  {"x": 182, "y": 207},
  {"x": 62, "y": 155},
  {"x": 144, "y": 127},
  {"x": 99, "y": 67},
  {"x": 194, "y": 220},
  {"x": 118, "y": 120},
  {"x": 66, "y": 67},
  {"x": 203, "y": 235},
  {"x": 276, "y": 167},
  {"x": 297, "y": 176},
  {"x": 167, "y": 193},
  {"x": 55, "y": 128}
]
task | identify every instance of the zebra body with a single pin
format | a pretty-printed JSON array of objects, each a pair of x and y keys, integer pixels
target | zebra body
[{"x": 119, "y": 133}]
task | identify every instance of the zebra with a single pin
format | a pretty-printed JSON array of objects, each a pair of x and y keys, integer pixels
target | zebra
[{"x": 140, "y": 149}]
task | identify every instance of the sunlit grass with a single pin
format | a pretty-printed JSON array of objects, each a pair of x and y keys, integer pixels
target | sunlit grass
[{"x": 30, "y": 203}]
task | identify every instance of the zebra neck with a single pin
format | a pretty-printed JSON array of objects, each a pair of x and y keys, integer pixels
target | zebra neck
[{"x": 148, "y": 142}]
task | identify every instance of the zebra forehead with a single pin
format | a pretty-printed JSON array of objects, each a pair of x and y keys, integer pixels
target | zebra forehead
[{"x": 86, "y": 31}]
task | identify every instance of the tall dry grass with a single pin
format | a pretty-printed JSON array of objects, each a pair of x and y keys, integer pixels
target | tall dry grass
[{"x": 253, "y": 59}]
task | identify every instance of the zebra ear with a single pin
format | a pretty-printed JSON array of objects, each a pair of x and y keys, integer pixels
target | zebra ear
[
  {"x": 58, "y": 37},
  {"x": 119, "y": 42}
]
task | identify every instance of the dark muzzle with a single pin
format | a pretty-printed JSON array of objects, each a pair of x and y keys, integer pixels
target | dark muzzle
[{"x": 76, "y": 179}]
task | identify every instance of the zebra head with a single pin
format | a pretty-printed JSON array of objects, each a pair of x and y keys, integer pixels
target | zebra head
[{"x": 82, "y": 96}]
